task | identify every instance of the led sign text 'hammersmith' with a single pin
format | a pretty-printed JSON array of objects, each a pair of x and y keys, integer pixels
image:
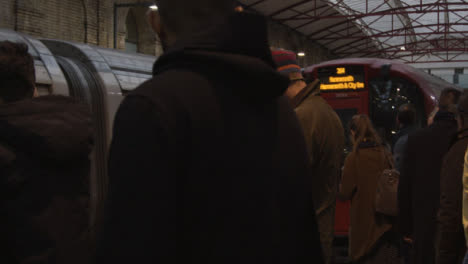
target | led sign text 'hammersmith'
[{"x": 342, "y": 82}]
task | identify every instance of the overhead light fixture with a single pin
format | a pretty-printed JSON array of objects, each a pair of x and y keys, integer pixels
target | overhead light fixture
[
  {"x": 301, "y": 54},
  {"x": 403, "y": 48},
  {"x": 154, "y": 7}
]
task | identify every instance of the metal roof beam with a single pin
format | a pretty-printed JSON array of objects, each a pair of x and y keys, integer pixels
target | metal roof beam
[
  {"x": 290, "y": 7},
  {"x": 397, "y": 48},
  {"x": 345, "y": 30},
  {"x": 316, "y": 18},
  {"x": 395, "y": 11},
  {"x": 349, "y": 45},
  {"x": 428, "y": 6},
  {"x": 395, "y": 33},
  {"x": 308, "y": 11},
  {"x": 405, "y": 20},
  {"x": 255, "y": 3}
]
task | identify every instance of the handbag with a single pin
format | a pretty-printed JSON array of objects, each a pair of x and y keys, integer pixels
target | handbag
[{"x": 386, "y": 196}]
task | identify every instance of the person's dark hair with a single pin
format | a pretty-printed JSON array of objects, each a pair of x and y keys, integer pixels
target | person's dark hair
[
  {"x": 182, "y": 16},
  {"x": 449, "y": 96},
  {"x": 17, "y": 75},
  {"x": 406, "y": 114},
  {"x": 364, "y": 131}
]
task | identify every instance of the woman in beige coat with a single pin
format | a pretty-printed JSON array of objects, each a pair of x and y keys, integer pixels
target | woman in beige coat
[{"x": 371, "y": 239}]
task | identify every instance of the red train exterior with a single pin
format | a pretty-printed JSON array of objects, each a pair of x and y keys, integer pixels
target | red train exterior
[{"x": 376, "y": 87}]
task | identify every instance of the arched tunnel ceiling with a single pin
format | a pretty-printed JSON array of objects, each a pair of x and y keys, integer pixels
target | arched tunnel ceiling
[{"x": 409, "y": 30}]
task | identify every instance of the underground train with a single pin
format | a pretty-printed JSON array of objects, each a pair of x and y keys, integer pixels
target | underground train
[{"x": 376, "y": 87}]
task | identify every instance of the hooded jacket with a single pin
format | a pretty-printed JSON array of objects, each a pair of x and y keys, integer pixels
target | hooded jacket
[
  {"x": 44, "y": 170},
  {"x": 208, "y": 163}
]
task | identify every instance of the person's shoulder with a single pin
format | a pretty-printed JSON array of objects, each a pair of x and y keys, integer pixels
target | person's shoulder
[
  {"x": 401, "y": 141},
  {"x": 172, "y": 82},
  {"x": 419, "y": 134},
  {"x": 458, "y": 149},
  {"x": 315, "y": 104}
]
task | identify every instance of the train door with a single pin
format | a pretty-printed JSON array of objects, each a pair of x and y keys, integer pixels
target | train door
[{"x": 346, "y": 106}]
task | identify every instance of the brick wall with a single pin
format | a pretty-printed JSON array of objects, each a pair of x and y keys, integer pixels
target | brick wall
[
  {"x": 56, "y": 19},
  {"x": 7, "y": 17},
  {"x": 92, "y": 22}
]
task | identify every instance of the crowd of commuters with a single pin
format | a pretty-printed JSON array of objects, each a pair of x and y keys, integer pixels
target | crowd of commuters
[{"x": 227, "y": 155}]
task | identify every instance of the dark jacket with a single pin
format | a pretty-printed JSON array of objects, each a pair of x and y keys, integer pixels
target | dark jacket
[
  {"x": 208, "y": 163},
  {"x": 399, "y": 144},
  {"x": 450, "y": 240},
  {"x": 404, "y": 131},
  {"x": 419, "y": 186},
  {"x": 44, "y": 171},
  {"x": 359, "y": 184}
]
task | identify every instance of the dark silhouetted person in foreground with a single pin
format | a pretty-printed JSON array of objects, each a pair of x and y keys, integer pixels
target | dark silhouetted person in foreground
[
  {"x": 208, "y": 162},
  {"x": 450, "y": 240},
  {"x": 324, "y": 136},
  {"x": 406, "y": 120},
  {"x": 44, "y": 168},
  {"x": 419, "y": 186}
]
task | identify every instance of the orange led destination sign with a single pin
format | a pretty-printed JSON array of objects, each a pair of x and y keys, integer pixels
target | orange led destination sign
[
  {"x": 342, "y": 86},
  {"x": 340, "y": 70},
  {"x": 342, "y": 82},
  {"x": 341, "y": 79}
]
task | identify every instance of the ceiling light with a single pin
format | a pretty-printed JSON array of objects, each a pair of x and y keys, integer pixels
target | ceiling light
[
  {"x": 301, "y": 54},
  {"x": 154, "y": 7}
]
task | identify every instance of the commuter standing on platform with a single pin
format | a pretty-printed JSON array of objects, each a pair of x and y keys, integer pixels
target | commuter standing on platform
[
  {"x": 406, "y": 121},
  {"x": 208, "y": 163},
  {"x": 324, "y": 136},
  {"x": 371, "y": 238},
  {"x": 419, "y": 186},
  {"x": 465, "y": 203},
  {"x": 450, "y": 239},
  {"x": 44, "y": 168}
]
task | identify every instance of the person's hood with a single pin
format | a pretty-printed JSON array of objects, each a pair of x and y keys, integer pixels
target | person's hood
[
  {"x": 49, "y": 128},
  {"x": 237, "y": 51}
]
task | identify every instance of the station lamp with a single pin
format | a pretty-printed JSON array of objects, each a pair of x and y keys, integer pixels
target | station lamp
[{"x": 154, "y": 7}]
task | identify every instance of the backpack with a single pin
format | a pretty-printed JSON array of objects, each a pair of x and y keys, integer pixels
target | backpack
[{"x": 386, "y": 196}]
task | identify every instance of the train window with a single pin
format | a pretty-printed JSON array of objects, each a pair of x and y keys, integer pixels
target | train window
[
  {"x": 131, "y": 34},
  {"x": 386, "y": 97}
]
